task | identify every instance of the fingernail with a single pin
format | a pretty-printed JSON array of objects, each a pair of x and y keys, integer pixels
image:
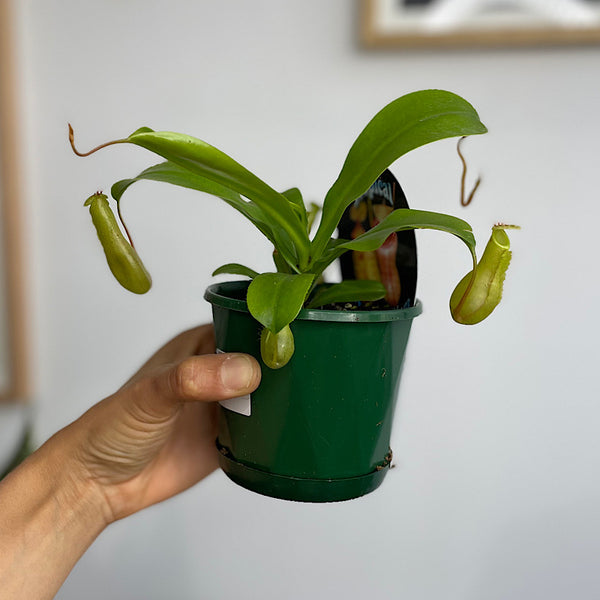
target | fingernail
[{"x": 237, "y": 372}]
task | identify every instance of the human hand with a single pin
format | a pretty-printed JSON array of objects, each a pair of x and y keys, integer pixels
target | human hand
[
  {"x": 155, "y": 437},
  {"x": 150, "y": 440}
]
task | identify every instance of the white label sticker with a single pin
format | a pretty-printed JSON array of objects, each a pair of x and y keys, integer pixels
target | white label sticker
[{"x": 241, "y": 405}]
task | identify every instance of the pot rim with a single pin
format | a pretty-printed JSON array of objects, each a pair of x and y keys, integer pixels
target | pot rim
[{"x": 219, "y": 294}]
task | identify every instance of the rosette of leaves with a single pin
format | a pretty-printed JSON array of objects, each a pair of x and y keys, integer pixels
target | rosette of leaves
[{"x": 275, "y": 298}]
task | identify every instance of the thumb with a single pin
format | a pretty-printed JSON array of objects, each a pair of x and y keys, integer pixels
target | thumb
[{"x": 206, "y": 378}]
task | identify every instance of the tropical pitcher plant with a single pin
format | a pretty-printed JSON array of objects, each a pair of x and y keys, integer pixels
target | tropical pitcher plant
[{"x": 300, "y": 257}]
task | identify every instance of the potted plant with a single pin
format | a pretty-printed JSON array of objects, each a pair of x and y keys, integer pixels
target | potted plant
[{"x": 318, "y": 427}]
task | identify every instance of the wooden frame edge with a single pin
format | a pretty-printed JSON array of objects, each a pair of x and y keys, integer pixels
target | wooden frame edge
[
  {"x": 11, "y": 182},
  {"x": 371, "y": 38}
]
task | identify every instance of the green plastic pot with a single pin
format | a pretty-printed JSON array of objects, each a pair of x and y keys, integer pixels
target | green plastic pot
[{"x": 318, "y": 429}]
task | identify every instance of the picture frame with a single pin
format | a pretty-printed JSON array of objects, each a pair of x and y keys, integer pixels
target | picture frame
[
  {"x": 478, "y": 23},
  {"x": 14, "y": 388}
]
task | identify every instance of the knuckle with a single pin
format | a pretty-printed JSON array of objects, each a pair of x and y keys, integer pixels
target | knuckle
[
  {"x": 192, "y": 378},
  {"x": 183, "y": 378}
]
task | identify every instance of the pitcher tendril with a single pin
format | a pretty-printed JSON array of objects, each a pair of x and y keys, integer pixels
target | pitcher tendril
[
  {"x": 465, "y": 201},
  {"x": 122, "y": 221},
  {"x": 83, "y": 154}
]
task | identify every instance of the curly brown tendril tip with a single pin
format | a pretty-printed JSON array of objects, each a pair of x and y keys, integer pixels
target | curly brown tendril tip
[
  {"x": 465, "y": 201},
  {"x": 72, "y": 142}
]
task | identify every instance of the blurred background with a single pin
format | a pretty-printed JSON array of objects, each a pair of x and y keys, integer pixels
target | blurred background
[{"x": 495, "y": 492}]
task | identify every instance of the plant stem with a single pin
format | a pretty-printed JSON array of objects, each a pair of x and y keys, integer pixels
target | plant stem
[{"x": 124, "y": 225}]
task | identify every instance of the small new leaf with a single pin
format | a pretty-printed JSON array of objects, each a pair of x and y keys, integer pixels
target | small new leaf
[{"x": 235, "y": 269}]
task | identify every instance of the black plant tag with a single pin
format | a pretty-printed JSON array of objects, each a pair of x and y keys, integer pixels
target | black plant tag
[{"x": 395, "y": 262}]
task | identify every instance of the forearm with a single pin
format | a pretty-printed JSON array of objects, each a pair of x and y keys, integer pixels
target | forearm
[{"x": 48, "y": 518}]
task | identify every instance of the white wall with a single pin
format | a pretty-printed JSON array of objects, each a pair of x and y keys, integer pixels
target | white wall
[{"x": 496, "y": 488}]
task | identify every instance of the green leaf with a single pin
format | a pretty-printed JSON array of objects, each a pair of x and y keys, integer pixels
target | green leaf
[
  {"x": 403, "y": 125},
  {"x": 347, "y": 291},
  {"x": 235, "y": 269},
  {"x": 406, "y": 218},
  {"x": 168, "y": 172},
  {"x": 207, "y": 161},
  {"x": 275, "y": 299}
]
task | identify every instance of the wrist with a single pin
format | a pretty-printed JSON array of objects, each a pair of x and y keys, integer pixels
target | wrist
[
  {"x": 49, "y": 515},
  {"x": 73, "y": 489}
]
